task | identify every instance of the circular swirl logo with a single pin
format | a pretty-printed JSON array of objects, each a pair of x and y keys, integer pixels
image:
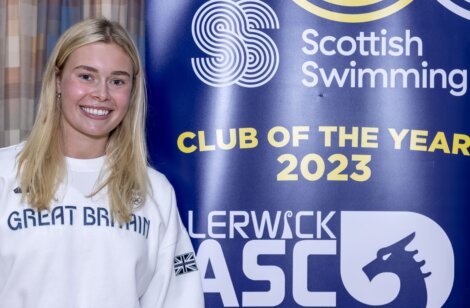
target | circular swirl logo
[
  {"x": 353, "y": 11},
  {"x": 238, "y": 51}
]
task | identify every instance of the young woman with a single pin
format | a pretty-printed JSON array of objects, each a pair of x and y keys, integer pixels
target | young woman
[{"x": 84, "y": 222}]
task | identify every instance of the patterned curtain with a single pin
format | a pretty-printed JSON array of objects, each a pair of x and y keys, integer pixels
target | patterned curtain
[{"x": 29, "y": 30}]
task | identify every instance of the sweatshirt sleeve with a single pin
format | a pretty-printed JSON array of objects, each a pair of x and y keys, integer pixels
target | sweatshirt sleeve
[{"x": 176, "y": 282}]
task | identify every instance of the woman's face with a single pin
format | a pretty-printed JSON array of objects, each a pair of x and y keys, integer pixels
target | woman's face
[{"x": 95, "y": 86}]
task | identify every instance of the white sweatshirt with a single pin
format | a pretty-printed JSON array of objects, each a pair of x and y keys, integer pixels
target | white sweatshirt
[{"x": 74, "y": 256}]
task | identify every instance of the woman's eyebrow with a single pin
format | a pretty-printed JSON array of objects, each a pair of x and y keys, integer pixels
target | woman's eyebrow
[
  {"x": 86, "y": 67},
  {"x": 94, "y": 70},
  {"x": 121, "y": 73}
]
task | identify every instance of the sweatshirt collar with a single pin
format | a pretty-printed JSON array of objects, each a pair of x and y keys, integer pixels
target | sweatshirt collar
[{"x": 85, "y": 165}]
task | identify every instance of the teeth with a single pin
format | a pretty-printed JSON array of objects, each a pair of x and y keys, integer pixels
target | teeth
[{"x": 97, "y": 112}]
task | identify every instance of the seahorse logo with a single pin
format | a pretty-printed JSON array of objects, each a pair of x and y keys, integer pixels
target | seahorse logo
[
  {"x": 459, "y": 7},
  {"x": 410, "y": 263},
  {"x": 352, "y": 11},
  {"x": 395, "y": 259},
  {"x": 229, "y": 32}
]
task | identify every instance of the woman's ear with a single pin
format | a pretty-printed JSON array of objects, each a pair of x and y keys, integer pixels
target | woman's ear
[{"x": 57, "y": 80}]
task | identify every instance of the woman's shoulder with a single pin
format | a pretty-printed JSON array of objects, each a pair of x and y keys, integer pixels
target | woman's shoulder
[
  {"x": 158, "y": 179},
  {"x": 161, "y": 194},
  {"x": 8, "y": 157},
  {"x": 9, "y": 153},
  {"x": 159, "y": 184}
]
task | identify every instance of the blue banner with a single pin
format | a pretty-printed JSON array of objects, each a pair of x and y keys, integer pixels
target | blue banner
[{"x": 319, "y": 149}]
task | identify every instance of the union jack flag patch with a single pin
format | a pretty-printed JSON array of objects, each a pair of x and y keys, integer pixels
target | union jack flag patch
[{"x": 185, "y": 263}]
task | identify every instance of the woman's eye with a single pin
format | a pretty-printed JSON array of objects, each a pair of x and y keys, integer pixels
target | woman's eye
[
  {"x": 117, "y": 82},
  {"x": 87, "y": 77}
]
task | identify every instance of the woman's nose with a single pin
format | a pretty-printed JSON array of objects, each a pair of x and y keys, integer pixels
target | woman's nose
[{"x": 101, "y": 92}]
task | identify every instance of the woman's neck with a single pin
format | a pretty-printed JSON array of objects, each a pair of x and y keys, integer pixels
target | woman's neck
[{"x": 84, "y": 147}]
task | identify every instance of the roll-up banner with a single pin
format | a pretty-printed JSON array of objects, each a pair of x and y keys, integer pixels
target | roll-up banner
[{"x": 319, "y": 149}]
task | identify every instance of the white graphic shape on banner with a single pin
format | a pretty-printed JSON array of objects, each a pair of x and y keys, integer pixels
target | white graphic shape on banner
[
  {"x": 455, "y": 8},
  {"x": 228, "y": 32},
  {"x": 382, "y": 253}
]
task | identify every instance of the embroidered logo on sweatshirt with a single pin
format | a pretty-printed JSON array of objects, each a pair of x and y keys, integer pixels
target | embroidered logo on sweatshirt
[
  {"x": 17, "y": 190},
  {"x": 185, "y": 263}
]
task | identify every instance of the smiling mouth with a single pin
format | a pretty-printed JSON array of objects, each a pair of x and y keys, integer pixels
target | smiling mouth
[{"x": 95, "y": 112}]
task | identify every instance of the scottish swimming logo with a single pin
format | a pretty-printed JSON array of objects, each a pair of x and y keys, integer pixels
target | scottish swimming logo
[
  {"x": 353, "y": 11},
  {"x": 459, "y": 7},
  {"x": 230, "y": 33},
  {"x": 405, "y": 259}
]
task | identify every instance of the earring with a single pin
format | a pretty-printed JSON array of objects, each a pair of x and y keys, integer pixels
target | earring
[{"x": 58, "y": 99}]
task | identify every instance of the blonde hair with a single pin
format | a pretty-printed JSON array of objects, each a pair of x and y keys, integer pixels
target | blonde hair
[{"x": 41, "y": 163}]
